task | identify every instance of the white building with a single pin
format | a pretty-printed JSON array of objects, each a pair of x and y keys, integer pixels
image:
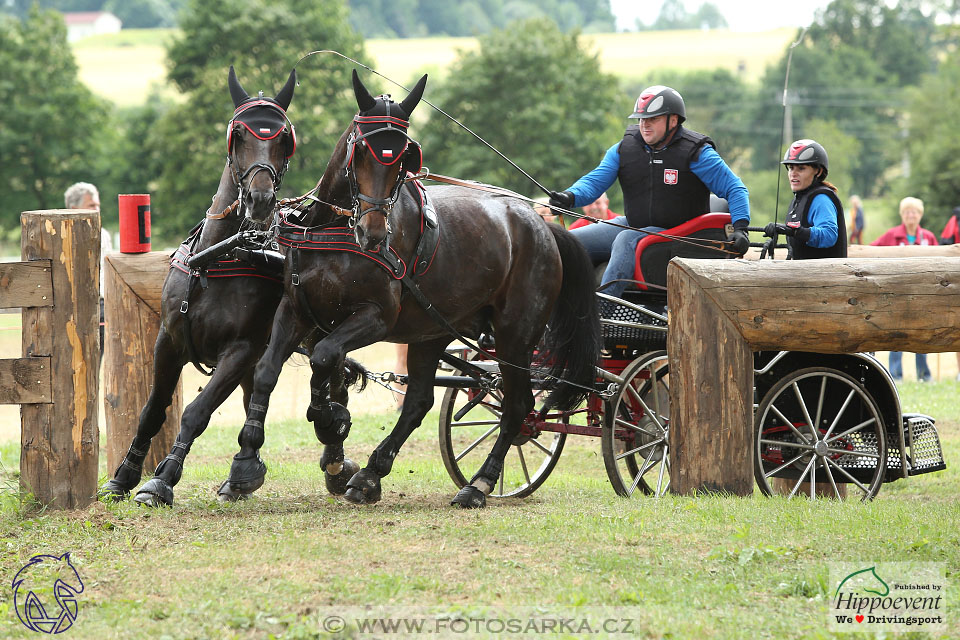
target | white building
[{"x": 81, "y": 24}]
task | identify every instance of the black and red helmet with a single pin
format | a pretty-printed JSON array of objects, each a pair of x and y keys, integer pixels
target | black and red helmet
[
  {"x": 807, "y": 151},
  {"x": 659, "y": 100}
]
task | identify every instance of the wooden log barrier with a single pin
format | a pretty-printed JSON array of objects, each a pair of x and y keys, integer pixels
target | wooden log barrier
[
  {"x": 133, "y": 284},
  {"x": 722, "y": 310},
  {"x": 59, "y": 420}
]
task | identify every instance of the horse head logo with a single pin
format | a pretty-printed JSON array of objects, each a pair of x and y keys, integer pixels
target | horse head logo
[
  {"x": 45, "y": 593},
  {"x": 863, "y": 580}
]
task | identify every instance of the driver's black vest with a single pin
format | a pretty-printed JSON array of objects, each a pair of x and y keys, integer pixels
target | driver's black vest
[
  {"x": 659, "y": 189},
  {"x": 799, "y": 209}
]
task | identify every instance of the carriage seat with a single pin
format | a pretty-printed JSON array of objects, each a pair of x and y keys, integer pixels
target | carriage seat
[{"x": 654, "y": 252}]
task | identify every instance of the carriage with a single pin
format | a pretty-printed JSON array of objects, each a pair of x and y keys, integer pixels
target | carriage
[{"x": 822, "y": 423}]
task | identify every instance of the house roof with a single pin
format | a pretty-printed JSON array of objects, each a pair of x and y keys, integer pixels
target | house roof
[{"x": 83, "y": 17}]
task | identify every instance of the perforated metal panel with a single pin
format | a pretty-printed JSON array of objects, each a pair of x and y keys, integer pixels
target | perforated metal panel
[{"x": 923, "y": 445}]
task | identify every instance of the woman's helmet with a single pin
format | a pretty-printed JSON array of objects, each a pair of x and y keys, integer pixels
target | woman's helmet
[
  {"x": 659, "y": 100},
  {"x": 807, "y": 151}
]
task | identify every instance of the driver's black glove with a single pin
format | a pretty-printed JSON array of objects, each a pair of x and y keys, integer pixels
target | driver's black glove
[
  {"x": 740, "y": 240},
  {"x": 562, "y": 199}
]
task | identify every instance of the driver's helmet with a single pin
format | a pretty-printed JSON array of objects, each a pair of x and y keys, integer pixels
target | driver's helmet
[
  {"x": 659, "y": 100},
  {"x": 807, "y": 151}
]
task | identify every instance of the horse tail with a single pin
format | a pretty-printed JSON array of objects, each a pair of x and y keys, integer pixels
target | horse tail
[
  {"x": 354, "y": 373},
  {"x": 573, "y": 340}
]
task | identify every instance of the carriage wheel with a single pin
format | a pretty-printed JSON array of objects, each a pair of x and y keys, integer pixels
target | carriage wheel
[
  {"x": 465, "y": 441},
  {"x": 848, "y": 444},
  {"x": 636, "y": 426}
]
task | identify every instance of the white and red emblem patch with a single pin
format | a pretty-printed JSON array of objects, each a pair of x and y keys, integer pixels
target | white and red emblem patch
[{"x": 670, "y": 176}]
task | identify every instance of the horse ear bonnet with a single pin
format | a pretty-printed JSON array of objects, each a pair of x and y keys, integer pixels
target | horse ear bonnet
[
  {"x": 383, "y": 126},
  {"x": 265, "y": 118}
]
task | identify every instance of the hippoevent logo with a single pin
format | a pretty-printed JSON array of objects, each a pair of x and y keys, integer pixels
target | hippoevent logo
[
  {"x": 892, "y": 597},
  {"x": 45, "y": 593}
]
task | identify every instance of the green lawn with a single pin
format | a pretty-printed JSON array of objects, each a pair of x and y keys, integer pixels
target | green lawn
[{"x": 281, "y": 564}]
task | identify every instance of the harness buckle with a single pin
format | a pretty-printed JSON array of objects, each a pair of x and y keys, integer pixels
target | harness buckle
[
  {"x": 184, "y": 306},
  {"x": 295, "y": 279}
]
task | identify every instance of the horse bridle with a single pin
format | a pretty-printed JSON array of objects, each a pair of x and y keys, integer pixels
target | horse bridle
[
  {"x": 276, "y": 177},
  {"x": 391, "y": 124}
]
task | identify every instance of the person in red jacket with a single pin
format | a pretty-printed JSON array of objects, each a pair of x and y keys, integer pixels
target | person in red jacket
[
  {"x": 951, "y": 232},
  {"x": 951, "y": 235},
  {"x": 598, "y": 209},
  {"x": 908, "y": 233}
]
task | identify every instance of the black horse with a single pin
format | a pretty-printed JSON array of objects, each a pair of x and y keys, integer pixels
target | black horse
[
  {"x": 220, "y": 315},
  {"x": 496, "y": 266}
]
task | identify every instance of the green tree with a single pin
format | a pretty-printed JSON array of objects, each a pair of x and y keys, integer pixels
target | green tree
[
  {"x": 534, "y": 93},
  {"x": 51, "y": 125},
  {"x": 934, "y": 149},
  {"x": 263, "y": 39}
]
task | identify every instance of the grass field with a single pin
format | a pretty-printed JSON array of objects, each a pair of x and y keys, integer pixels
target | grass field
[
  {"x": 122, "y": 67},
  {"x": 287, "y": 562}
]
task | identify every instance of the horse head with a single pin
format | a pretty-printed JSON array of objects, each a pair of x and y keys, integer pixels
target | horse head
[
  {"x": 260, "y": 141},
  {"x": 379, "y": 153}
]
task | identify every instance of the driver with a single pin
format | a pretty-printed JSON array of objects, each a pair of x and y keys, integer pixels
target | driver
[{"x": 667, "y": 173}]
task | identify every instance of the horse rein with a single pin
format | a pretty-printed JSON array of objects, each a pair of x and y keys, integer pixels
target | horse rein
[{"x": 703, "y": 243}]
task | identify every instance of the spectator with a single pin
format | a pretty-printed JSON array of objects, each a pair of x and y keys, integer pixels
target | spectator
[
  {"x": 951, "y": 232},
  {"x": 598, "y": 209},
  {"x": 83, "y": 195},
  {"x": 815, "y": 222},
  {"x": 666, "y": 173},
  {"x": 951, "y": 235},
  {"x": 908, "y": 233},
  {"x": 544, "y": 211},
  {"x": 857, "y": 221}
]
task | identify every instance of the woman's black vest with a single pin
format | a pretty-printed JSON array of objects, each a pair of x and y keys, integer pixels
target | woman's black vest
[
  {"x": 659, "y": 189},
  {"x": 798, "y": 213}
]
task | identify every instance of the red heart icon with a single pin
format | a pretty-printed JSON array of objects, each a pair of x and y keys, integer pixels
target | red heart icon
[{"x": 859, "y": 618}]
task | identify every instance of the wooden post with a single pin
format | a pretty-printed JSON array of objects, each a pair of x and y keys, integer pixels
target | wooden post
[
  {"x": 60, "y": 439},
  {"x": 133, "y": 284},
  {"x": 709, "y": 380},
  {"x": 722, "y": 309}
]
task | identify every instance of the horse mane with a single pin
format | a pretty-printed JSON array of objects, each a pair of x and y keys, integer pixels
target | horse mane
[{"x": 333, "y": 187}]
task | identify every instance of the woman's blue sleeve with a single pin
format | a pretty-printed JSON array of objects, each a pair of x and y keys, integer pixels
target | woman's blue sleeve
[{"x": 822, "y": 217}]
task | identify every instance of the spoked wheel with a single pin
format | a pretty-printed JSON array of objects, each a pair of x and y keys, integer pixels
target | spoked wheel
[
  {"x": 819, "y": 425},
  {"x": 470, "y": 424},
  {"x": 636, "y": 428}
]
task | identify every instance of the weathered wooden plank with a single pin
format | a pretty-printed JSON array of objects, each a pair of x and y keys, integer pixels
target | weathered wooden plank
[
  {"x": 60, "y": 440},
  {"x": 839, "y": 305},
  {"x": 143, "y": 274},
  {"x": 25, "y": 284},
  {"x": 711, "y": 392},
  {"x": 132, "y": 324},
  {"x": 25, "y": 380}
]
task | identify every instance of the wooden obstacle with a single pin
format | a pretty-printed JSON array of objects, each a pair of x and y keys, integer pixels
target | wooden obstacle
[
  {"x": 55, "y": 381},
  {"x": 723, "y": 310},
  {"x": 132, "y": 288}
]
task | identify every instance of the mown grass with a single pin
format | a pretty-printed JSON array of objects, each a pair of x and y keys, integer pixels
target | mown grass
[{"x": 281, "y": 563}]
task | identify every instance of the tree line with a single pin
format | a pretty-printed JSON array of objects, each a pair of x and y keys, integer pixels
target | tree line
[{"x": 875, "y": 84}]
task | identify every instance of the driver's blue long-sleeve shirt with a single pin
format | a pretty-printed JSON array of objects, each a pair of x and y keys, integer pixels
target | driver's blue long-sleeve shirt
[{"x": 709, "y": 167}]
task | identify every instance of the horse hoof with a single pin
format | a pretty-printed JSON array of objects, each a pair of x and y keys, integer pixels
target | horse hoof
[
  {"x": 113, "y": 491},
  {"x": 246, "y": 476},
  {"x": 226, "y": 494},
  {"x": 363, "y": 488},
  {"x": 337, "y": 484},
  {"x": 469, "y": 497},
  {"x": 155, "y": 493}
]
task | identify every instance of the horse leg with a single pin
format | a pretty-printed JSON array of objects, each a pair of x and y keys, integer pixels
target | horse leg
[
  {"x": 247, "y": 470},
  {"x": 364, "y": 487},
  {"x": 517, "y": 404},
  {"x": 331, "y": 423},
  {"x": 232, "y": 367},
  {"x": 167, "y": 365}
]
